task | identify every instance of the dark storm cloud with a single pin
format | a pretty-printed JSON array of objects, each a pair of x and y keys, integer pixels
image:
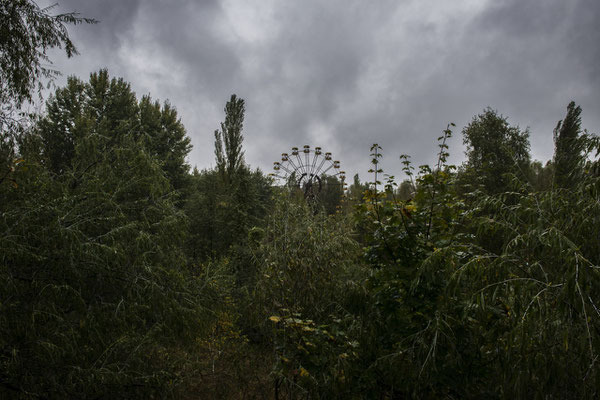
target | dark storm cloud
[
  {"x": 187, "y": 34},
  {"x": 114, "y": 22},
  {"x": 541, "y": 55},
  {"x": 114, "y": 16},
  {"x": 583, "y": 40},
  {"x": 316, "y": 62},
  {"x": 344, "y": 74}
]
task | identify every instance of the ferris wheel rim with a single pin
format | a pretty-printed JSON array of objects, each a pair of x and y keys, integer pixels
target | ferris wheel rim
[{"x": 307, "y": 162}]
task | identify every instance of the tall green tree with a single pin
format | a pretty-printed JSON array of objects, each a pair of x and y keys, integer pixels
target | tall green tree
[
  {"x": 541, "y": 176},
  {"x": 568, "y": 147},
  {"x": 494, "y": 149},
  {"x": 406, "y": 190},
  {"x": 97, "y": 299},
  {"x": 64, "y": 123},
  {"x": 355, "y": 192},
  {"x": 228, "y": 141},
  {"x": 166, "y": 139},
  {"x": 95, "y": 293},
  {"x": 331, "y": 194},
  {"x": 231, "y": 199},
  {"x": 108, "y": 108}
]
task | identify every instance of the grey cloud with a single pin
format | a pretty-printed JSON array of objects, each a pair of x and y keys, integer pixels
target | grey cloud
[
  {"x": 114, "y": 18},
  {"x": 524, "y": 18},
  {"x": 346, "y": 74},
  {"x": 583, "y": 38},
  {"x": 318, "y": 59},
  {"x": 544, "y": 54}
]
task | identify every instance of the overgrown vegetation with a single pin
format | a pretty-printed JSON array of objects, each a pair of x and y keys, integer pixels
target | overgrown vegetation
[{"x": 123, "y": 274}]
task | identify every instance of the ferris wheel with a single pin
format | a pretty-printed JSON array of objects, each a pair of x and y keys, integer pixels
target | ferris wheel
[{"x": 309, "y": 170}]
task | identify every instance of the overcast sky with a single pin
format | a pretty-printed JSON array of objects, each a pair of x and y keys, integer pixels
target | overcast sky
[{"x": 343, "y": 74}]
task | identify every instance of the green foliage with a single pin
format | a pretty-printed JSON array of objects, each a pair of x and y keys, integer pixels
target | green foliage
[
  {"x": 221, "y": 215},
  {"x": 107, "y": 108},
  {"x": 124, "y": 276},
  {"x": 568, "y": 148},
  {"x": 312, "y": 359},
  {"x": 541, "y": 176},
  {"x": 96, "y": 297},
  {"x": 494, "y": 148},
  {"x": 356, "y": 191},
  {"x": 308, "y": 278},
  {"x": 228, "y": 202},
  {"x": 537, "y": 290},
  {"x": 27, "y": 33},
  {"x": 302, "y": 254},
  {"x": 228, "y": 142},
  {"x": 331, "y": 195},
  {"x": 484, "y": 294},
  {"x": 405, "y": 295},
  {"x": 166, "y": 139},
  {"x": 406, "y": 190}
]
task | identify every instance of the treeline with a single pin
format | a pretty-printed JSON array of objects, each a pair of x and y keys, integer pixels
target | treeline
[{"x": 125, "y": 274}]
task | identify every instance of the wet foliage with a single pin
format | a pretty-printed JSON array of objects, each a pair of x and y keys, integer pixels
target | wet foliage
[{"x": 125, "y": 274}]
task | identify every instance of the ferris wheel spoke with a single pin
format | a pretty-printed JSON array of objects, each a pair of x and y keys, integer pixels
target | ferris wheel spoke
[
  {"x": 328, "y": 168},
  {"x": 314, "y": 163},
  {"x": 286, "y": 169},
  {"x": 294, "y": 166},
  {"x": 327, "y": 158},
  {"x": 341, "y": 176},
  {"x": 318, "y": 170},
  {"x": 306, "y": 155},
  {"x": 277, "y": 176},
  {"x": 301, "y": 166}
]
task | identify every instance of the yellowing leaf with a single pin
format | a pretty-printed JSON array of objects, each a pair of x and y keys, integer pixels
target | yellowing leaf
[{"x": 274, "y": 318}]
